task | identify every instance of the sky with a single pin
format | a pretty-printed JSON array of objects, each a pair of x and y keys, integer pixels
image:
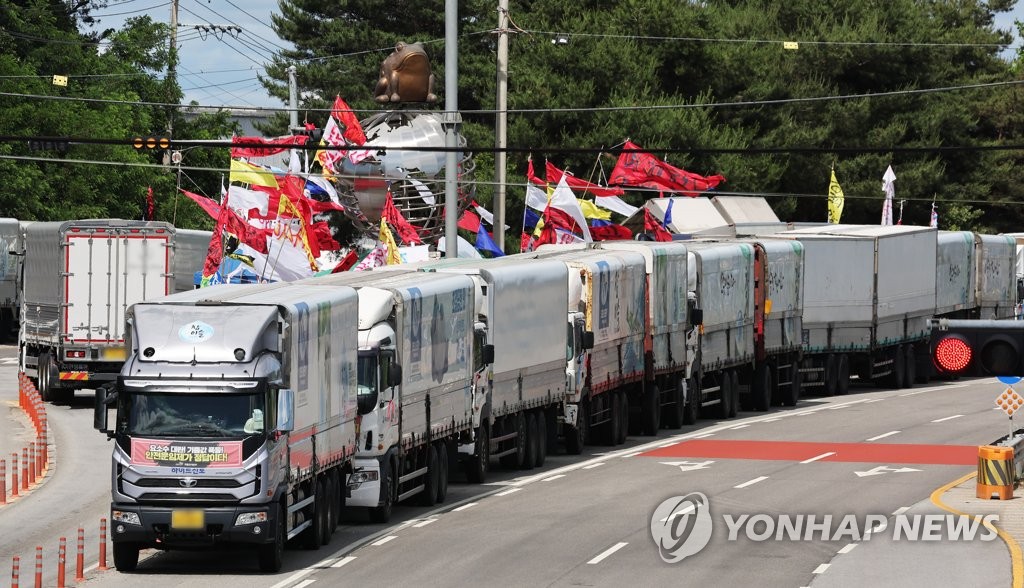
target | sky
[{"x": 220, "y": 69}]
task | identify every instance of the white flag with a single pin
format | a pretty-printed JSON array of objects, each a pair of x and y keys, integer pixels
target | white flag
[
  {"x": 242, "y": 201},
  {"x": 563, "y": 199},
  {"x": 615, "y": 204},
  {"x": 890, "y": 191},
  {"x": 536, "y": 198}
]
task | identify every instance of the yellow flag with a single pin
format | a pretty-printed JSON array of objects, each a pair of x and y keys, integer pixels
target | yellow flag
[
  {"x": 286, "y": 205},
  {"x": 590, "y": 210},
  {"x": 835, "y": 200},
  {"x": 251, "y": 174},
  {"x": 388, "y": 240}
]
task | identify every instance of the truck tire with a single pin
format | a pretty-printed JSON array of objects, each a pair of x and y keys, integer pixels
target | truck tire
[
  {"x": 828, "y": 376},
  {"x": 790, "y": 393},
  {"x": 530, "y": 445},
  {"x": 734, "y": 406},
  {"x": 337, "y": 499},
  {"x": 674, "y": 412},
  {"x": 896, "y": 376},
  {"x": 477, "y": 466},
  {"x": 428, "y": 497},
  {"x": 624, "y": 417},
  {"x": 725, "y": 393},
  {"x": 692, "y": 408},
  {"x": 843, "y": 375},
  {"x": 611, "y": 432},
  {"x": 542, "y": 438},
  {"x": 126, "y": 556},
  {"x": 442, "y": 472},
  {"x": 576, "y": 437},
  {"x": 382, "y": 512},
  {"x": 761, "y": 388},
  {"x": 651, "y": 418},
  {"x": 271, "y": 555},
  {"x": 47, "y": 389},
  {"x": 328, "y": 515},
  {"x": 910, "y": 372},
  {"x": 312, "y": 537}
]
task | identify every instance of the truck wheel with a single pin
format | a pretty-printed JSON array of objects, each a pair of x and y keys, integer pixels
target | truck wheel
[
  {"x": 126, "y": 556},
  {"x": 337, "y": 499},
  {"x": 624, "y": 417},
  {"x": 651, "y": 418},
  {"x": 829, "y": 378},
  {"x": 312, "y": 537},
  {"x": 382, "y": 513},
  {"x": 429, "y": 494},
  {"x": 896, "y": 376},
  {"x": 725, "y": 393},
  {"x": 45, "y": 368},
  {"x": 790, "y": 393},
  {"x": 734, "y": 406},
  {"x": 761, "y": 388},
  {"x": 673, "y": 416},
  {"x": 542, "y": 438},
  {"x": 442, "y": 472},
  {"x": 843, "y": 375},
  {"x": 692, "y": 408},
  {"x": 910, "y": 372},
  {"x": 576, "y": 437},
  {"x": 271, "y": 555},
  {"x": 328, "y": 510},
  {"x": 530, "y": 445},
  {"x": 611, "y": 428},
  {"x": 476, "y": 467}
]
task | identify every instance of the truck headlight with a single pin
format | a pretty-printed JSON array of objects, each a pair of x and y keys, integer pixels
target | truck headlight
[
  {"x": 249, "y": 518},
  {"x": 131, "y": 518},
  {"x": 358, "y": 478}
]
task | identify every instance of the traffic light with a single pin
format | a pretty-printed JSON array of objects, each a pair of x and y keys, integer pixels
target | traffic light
[
  {"x": 977, "y": 347},
  {"x": 141, "y": 143}
]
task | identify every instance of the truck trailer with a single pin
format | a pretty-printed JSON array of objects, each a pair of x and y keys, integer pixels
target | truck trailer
[{"x": 234, "y": 420}]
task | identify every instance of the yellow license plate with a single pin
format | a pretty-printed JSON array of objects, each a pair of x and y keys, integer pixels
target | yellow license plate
[
  {"x": 115, "y": 354},
  {"x": 187, "y": 519}
]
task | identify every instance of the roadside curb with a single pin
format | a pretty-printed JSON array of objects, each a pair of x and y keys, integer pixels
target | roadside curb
[{"x": 961, "y": 493}]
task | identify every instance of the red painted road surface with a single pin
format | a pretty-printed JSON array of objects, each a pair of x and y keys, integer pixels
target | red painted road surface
[{"x": 843, "y": 452}]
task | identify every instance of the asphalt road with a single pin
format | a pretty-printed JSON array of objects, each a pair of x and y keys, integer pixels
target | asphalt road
[{"x": 586, "y": 520}]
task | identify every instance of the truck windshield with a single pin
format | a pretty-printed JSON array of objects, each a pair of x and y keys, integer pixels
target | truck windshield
[
  {"x": 189, "y": 415},
  {"x": 366, "y": 378}
]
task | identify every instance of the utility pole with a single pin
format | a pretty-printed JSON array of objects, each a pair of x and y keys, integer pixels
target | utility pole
[
  {"x": 452, "y": 120},
  {"x": 293, "y": 100},
  {"x": 501, "y": 127},
  {"x": 172, "y": 65}
]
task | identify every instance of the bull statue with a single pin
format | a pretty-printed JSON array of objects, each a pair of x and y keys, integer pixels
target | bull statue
[{"x": 405, "y": 76}]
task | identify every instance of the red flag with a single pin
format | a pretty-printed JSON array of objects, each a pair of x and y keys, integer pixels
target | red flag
[
  {"x": 394, "y": 217},
  {"x": 610, "y": 233},
  {"x": 469, "y": 221},
  {"x": 525, "y": 243},
  {"x": 324, "y": 238},
  {"x": 263, "y": 146},
  {"x": 343, "y": 114},
  {"x": 530, "y": 175},
  {"x": 346, "y": 262},
  {"x": 651, "y": 225},
  {"x": 228, "y": 220},
  {"x": 554, "y": 175},
  {"x": 149, "y": 203},
  {"x": 643, "y": 169}
]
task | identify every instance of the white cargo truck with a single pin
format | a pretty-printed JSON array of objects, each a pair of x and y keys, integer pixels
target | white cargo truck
[
  {"x": 996, "y": 288},
  {"x": 868, "y": 294},
  {"x": 79, "y": 279},
  {"x": 233, "y": 420},
  {"x": 955, "y": 275},
  {"x": 523, "y": 390},
  {"x": 415, "y": 372}
]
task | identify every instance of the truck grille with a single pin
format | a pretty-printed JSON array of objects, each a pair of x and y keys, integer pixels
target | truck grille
[
  {"x": 215, "y": 497},
  {"x": 200, "y": 483}
]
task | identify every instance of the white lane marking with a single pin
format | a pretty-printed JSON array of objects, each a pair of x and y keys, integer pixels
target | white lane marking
[
  {"x": 876, "y": 529},
  {"x": 702, "y": 436},
  {"x": 849, "y": 547},
  {"x": 343, "y": 561},
  {"x": 901, "y": 510},
  {"x": 509, "y": 491},
  {"x": 821, "y": 569},
  {"x": 596, "y": 465},
  {"x": 883, "y": 435},
  {"x": 817, "y": 457},
  {"x": 424, "y": 523},
  {"x": 553, "y": 478},
  {"x": 949, "y": 418},
  {"x": 838, "y": 407},
  {"x": 772, "y": 420},
  {"x": 384, "y": 540},
  {"x": 499, "y": 483},
  {"x": 405, "y": 524},
  {"x": 305, "y": 583},
  {"x": 664, "y": 445},
  {"x": 751, "y": 482},
  {"x": 913, "y": 393},
  {"x": 873, "y": 400},
  {"x": 607, "y": 552},
  {"x": 12, "y": 361},
  {"x": 634, "y": 454},
  {"x": 289, "y": 581},
  {"x": 738, "y": 427},
  {"x": 464, "y": 506}
]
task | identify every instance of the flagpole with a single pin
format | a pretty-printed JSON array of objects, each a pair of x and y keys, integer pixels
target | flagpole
[
  {"x": 501, "y": 125},
  {"x": 452, "y": 120}
]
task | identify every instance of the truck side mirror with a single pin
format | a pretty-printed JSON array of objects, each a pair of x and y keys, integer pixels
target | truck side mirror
[
  {"x": 696, "y": 316},
  {"x": 487, "y": 354},
  {"x": 588, "y": 339},
  {"x": 285, "y": 412},
  {"x": 394, "y": 375},
  {"x": 99, "y": 414}
]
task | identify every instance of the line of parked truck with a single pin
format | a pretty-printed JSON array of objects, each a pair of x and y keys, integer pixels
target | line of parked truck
[{"x": 254, "y": 414}]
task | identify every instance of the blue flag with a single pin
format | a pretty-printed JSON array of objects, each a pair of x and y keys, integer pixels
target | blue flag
[
  {"x": 530, "y": 218},
  {"x": 596, "y": 222},
  {"x": 484, "y": 242},
  {"x": 668, "y": 213}
]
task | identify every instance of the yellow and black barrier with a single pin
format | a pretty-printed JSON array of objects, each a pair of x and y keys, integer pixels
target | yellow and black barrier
[{"x": 995, "y": 472}]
